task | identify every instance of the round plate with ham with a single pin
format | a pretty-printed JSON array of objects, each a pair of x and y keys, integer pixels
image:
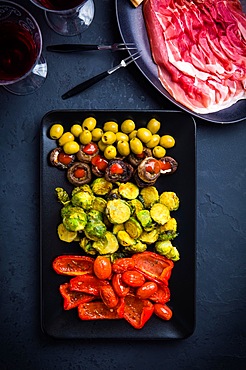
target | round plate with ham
[{"x": 215, "y": 93}]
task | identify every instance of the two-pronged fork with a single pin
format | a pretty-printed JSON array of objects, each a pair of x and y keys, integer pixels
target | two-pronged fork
[
  {"x": 84, "y": 85},
  {"x": 70, "y": 48}
]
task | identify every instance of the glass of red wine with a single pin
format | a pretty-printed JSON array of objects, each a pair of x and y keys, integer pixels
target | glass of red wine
[
  {"x": 67, "y": 17},
  {"x": 22, "y": 67}
]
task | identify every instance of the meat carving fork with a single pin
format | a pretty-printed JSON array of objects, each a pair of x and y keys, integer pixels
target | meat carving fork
[
  {"x": 84, "y": 85},
  {"x": 72, "y": 48}
]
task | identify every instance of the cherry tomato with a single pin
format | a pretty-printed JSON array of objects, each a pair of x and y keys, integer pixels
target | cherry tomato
[
  {"x": 153, "y": 166},
  {"x": 146, "y": 290},
  {"x": 120, "y": 289},
  {"x": 65, "y": 158},
  {"x": 116, "y": 168},
  {"x": 123, "y": 264},
  {"x": 99, "y": 162},
  {"x": 102, "y": 267},
  {"x": 108, "y": 296},
  {"x": 90, "y": 148},
  {"x": 165, "y": 166},
  {"x": 163, "y": 311},
  {"x": 79, "y": 173},
  {"x": 133, "y": 278}
]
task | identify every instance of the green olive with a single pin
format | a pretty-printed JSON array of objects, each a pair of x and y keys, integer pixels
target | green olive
[
  {"x": 110, "y": 126},
  {"x": 71, "y": 147},
  {"x": 110, "y": 152},
  {"x": 127, "y": 126},
  {"x": 153, "y": 125},
  {"x": 108, "y": 137},
  {"x": 144, "y": 134},
  {"x": 76, "y": 130},
  {"x": 133, "y": 134},
  {"x": 123, "y": 147},
  {"x": 97, "y": 133},
  {"x": 153, "y": 141},
  {"x": 89, "y": 123},
  {"x": 67, "y": 136},
  {"x": 159, "y": 151},
  {"x": 101, "y": 145},
  {"x": 56, "y": 131},
  {"x": 167, "y": 141},
  {"x": 85, "y": 137},
  {"x": 136, "y": 146},
  {"x": 121, "y": 136}
]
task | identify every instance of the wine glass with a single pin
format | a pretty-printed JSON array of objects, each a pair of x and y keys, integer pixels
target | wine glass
[
  {"x": 22, "y": 67},
  {"x": 67, "y": 17}
]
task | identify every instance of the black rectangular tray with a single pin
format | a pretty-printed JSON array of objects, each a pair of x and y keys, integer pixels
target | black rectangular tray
[{"x": 57, "y": 322}]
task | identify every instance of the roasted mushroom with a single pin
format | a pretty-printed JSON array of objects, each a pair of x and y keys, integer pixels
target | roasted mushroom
[
  {"x": 79, "y": 174},
  {"x": 60, "y": 159},
  {"x": 168, "y": 165},
  {"x": 99, "y": 165},
  {"x": 136, "y": 159},
  {"x": 118, "y": 171},
  {"x": 87, "y": 152}
]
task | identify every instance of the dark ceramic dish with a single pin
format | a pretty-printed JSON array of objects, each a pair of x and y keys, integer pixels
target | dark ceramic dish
[
  {"x": 132, "y": 29},
  {"x": 65, "y": 324}
]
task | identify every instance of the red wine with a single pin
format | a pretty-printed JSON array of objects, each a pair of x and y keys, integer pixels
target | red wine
[
  {"x": 18, "y": 51},
  {"x": 60, "y": 4}
]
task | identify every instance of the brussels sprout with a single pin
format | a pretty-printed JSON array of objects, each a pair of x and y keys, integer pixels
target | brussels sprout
[
  {"x": 117, "y": 228},
  {"x": 160, "y": 213},
  {"x": 165, "y": 248},
  {"x": 144, "y": 218},
  {"x": 128, "y": 190},
  {"x": 133, "y": 228},
  {"x": 107, "y": 244},
  {"x": 66, "y": 235},
  {"x": 137, "y": 247},
  {"x": 149, "y": 196},
  {"x": 83, "y": 199},
  {"x": 100, "y": 186},
  {"x": 62, "y": 196},
  {"x": 149, "y": 237},
  {"x": 114, "y": 194},
  {"x": 95, "y": 230},
  {"x": 75, "y": 220},
  {"x": 67, "y": 209},
  {"x": 86, "y": 245},
  {"x": 94, "y": 215},
  {"x": 135, "y": 205},
  {"x": 99, "y": 204},
  {"x": 170, "y": 200},
  {"x": 168, "y": 231},
  {"x": 124, "y": 238},
  {"x": 118, "y": 211},
  {"x": 85, "y": 187}
]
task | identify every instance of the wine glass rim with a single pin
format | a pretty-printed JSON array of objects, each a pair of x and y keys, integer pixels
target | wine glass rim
[
  {"x": 61, "y": 12},
  {"x": 40, "y": 37}
]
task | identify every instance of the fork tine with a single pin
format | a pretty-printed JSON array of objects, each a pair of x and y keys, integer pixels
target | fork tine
[
  {"x": 126, "y": 46},
  {"x": 132, "y": 57}
]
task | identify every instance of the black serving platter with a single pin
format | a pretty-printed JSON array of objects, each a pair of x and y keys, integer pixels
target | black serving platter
[
  {"x": 65, "y": 324},
  {"x": 132, "y": 29}
]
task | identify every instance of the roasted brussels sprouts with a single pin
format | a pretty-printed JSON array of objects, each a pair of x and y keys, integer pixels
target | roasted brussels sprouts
[
  {"x": 170, "y": 200},
  {"x": 136, "y": 206},
  {"x": 75, "y": 219},
  {"x": 83, "y": 199},
  {"x": 117, "y": 228},
  {"x": 128, "y": 190},
  {"x": 99, "y": 204},
  {"x": 125, "y": 239},
  {"x": 107, "y": 244},
  {"x": 149, "y": 237},
  {"x": 95, "y": 230},
  {"x": 133, "y": 228},
  {"x": 62, "y": 196},
  {"x": 137, "y": 247},
  {"x": 86, "y": 245},
  {"x": 144, "y": 218},
  {"x": 168, "y": 231},
  {"x": 118, "y": 211},
  {"x": 160, "y": 213},
  {"x": 150, "y": 196},
  {"x": 66, "y": 235},
  {"x": 100, "y": 186},
  {"x": 94, "y": 215},
  {"x": 165, "y": 248}
]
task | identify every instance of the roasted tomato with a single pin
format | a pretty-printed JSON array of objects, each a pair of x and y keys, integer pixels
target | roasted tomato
[
  {"x": 163, "y": 311},
  {"x": 119, "y": 287},
  {"x": 108, "y": 296},
  {"x": 147, "y": 290},
  {"x": 102, "y": 267},
  {"x": 133, "y": 278},
  {"x": 73, "y": 265},
  {"x": 123, "y": 264}
]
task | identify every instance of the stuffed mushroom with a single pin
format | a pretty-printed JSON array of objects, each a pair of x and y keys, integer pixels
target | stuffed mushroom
[{"x": 79, "y": 174}]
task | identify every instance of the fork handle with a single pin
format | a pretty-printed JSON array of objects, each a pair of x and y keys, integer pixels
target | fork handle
[
  {"x": 84, "y": 85},
  {"x": 69, "y": 48}
]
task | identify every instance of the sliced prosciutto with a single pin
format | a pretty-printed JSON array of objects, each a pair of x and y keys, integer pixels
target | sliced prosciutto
[{"x": 199, "y": 48}]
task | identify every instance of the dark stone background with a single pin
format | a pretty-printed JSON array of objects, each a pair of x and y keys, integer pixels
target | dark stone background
[{"x": 219, "y": 338}]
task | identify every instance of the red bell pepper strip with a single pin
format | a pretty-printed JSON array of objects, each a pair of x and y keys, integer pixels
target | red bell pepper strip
[
  {"x": 137, "y": 311},
  {"x": 72, "y": 299},
  {"x": 87, "y": 284},
  {"x": 97, "y": 310},
  {"x": 123, "y": 264},
  {"x": 153, "y": 266},
  {"x": 73, "y": 265},
  {"x": 120, "y": 289}
]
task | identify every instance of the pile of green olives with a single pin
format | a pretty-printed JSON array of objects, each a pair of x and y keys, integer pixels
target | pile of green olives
[{"x": 113, "y": 139}]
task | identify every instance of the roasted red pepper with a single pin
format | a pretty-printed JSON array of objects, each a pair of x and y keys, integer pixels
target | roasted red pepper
[
  {"x": 99, "y": 162},
  {"x": 153, "y": 266},
  {"x": 73, "y": 265},
  {"x": 137, "y": 311},
  {"x": 123, "y": 264},
  {"x": 119, "y": 287},
  {"x": 98, "y": 310},
  {"x": 88, "y": 284},
  {"x": 161, "y": 296},
  {"x": 72, "y": 298},
  {"x": 90, "y": 148}
]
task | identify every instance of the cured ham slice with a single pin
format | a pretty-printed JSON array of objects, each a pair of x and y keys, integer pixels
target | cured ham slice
[{"x": 199, "y": 48}]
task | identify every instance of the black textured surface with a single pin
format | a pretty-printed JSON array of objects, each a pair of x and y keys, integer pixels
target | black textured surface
[{"x": 219, "y": 338}]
